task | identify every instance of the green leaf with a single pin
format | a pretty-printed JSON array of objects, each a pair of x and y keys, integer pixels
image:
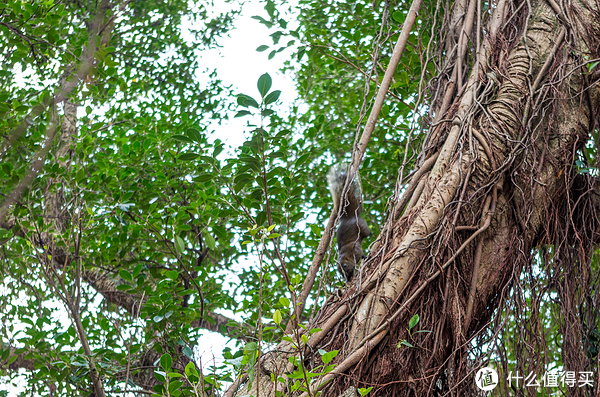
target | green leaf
[
  {"x": 263, "y": 21},
  {"x": 166, "y": 361},
  {"x": 270, "y": 7},
  {"x": 272, "y": 97},
  {"x": 174, "y": 387},
  {"x": 182, "y": 138},
  {"x": 160, "y": 375},
  {"x": 203, "y": 178},
  {"x": 285, "y": 302},
  {"x": 190, "y": 369},
  {"x": 242, "y": 113},
  {"x": 250, "y": 353},
  {"x": 327, "y": 357},
  {"x": 399, "y": 16},
  {"x": 264, "y": 84},
  {"x": 210, "y": 241},
  {"x": 262, "y": 48},
  {"x": 245, "y": 101},
  {"x": 277, "y": 317},
  {"x": 179, "y": 245},
  {"x": 188, "y": 352},
  {"x": 194, "y": 134},
  {"x": 188, "y": 156},
  {"x": 125, "y": 275},
  {"x": 403, "y": 342},
  {"x": 137, "y": 270},
  {"x": 315, "y": 229},
  {"x": 413, "y": 321}
]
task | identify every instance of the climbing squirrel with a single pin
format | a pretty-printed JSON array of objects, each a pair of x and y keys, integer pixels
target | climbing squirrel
[{"x": 352, "y": 229}]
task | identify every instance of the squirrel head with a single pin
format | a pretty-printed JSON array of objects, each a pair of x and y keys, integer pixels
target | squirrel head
[{"x": 346, "y": 266}]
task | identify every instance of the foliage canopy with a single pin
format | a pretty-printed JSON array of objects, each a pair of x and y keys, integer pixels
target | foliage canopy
[{"x": 129, "y": 226}]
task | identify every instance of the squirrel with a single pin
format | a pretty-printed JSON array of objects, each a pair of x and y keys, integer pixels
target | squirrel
[{"x": 352, "y": 229}]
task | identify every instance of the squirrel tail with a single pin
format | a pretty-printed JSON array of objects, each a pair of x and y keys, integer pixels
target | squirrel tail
[{"x": 336, "y": 179}]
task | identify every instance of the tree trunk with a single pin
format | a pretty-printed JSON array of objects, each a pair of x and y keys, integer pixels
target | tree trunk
[{"x": 505, "y": 143}]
